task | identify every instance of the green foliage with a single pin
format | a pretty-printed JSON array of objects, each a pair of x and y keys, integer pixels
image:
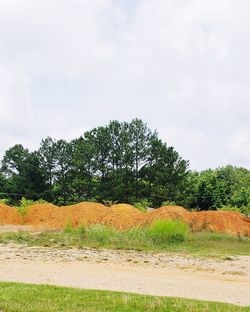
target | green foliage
[
  {"x": 213, "y": 189},
  {"x": 124, "y": 162},
  {"x": 69, "y": 227},
  {"x": 5, "y": 201},
  {"x": 22, "y": 212},
  {"x": 230, "y": 208},
  {"x": 165, "y": 231},
  {"x": 143, "y": 205},
  {"x": 168, "y": 203},
  {"x": 24, "y": 202},
  {"x": 244, "y": 209}
]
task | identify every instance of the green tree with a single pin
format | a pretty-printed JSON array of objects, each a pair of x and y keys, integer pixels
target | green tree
[
  {"x": 164, "y": 174},
  {"x": 23, "y": 172}
]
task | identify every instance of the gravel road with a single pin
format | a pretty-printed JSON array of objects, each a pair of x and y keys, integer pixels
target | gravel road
[{"x": 158, "y": 274}]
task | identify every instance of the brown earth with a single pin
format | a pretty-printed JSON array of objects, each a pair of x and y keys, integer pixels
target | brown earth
[
  {"x": 123, "y": 216},
  {"x": 9, "y": 215},
  {"x": 167, "y": 213},
  {"x": 221, "y": 221}
]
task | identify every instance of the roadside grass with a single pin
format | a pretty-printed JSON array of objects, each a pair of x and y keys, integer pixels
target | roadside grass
[
  {"x": 98, "y": 236},
  {"x": 15, "y": 297}
]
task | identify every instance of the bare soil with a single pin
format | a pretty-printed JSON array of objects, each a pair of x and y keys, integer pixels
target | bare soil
[{"x": 158, "y": 274}]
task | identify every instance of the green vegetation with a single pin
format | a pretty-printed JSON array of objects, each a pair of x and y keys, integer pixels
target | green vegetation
[
  {"x": 226, "y": 187},
  {"x": 39, "y": 298},
  {"x": 120, "y": 162},
  {"x": 98, "y": 236},
  {"x": 24, "y": 204},
  {"x": 5, "y": 201},
  {"x": 164, "y": 231},
  {"x": 143, "y": 205}
]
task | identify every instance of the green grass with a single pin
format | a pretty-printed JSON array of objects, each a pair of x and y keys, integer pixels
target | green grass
[
  {"x": 98, "y": 236},
  {"x": 42, "y": 298},
  {"x": 164, "y": 231}
]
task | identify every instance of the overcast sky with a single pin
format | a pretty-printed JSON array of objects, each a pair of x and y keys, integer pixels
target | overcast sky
[{"x": 183, "y": 66}]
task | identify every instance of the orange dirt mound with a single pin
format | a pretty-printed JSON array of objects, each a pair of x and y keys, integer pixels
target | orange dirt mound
[
  {"x": 9, "y": 215},
  {"x": 48, "y": 215},
  {"x": 166, "y": 213},
  {"x": 41, "y": 215},
  {"x": 221, "y": 221},
  {"x": 121, "y": 216},
  {"x": 85, "y": 213}
]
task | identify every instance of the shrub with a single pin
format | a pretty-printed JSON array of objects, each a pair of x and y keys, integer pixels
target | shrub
[
  {"x": 143, "y": 204},
  {"x": 24, "y": 202},
  {"x": 69, "y": 227},
  {"x": 244, "y": 209},
  {"x": 5, "y": 201},
  {"x": 23, "y": 207},
  {"x": 164, "y": 231},
  {"x": 168, "y": 203}
]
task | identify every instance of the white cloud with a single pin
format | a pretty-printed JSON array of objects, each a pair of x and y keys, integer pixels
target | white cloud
[{"x": 181, "y": 65}]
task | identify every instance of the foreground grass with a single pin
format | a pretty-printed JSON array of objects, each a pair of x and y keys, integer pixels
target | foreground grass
[
  {"x": 200, "y": 244},
  {"x": 40, "y": 298}
]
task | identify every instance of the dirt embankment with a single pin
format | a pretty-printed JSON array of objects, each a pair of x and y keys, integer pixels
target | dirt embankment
[{"x": 123, "y": 216}]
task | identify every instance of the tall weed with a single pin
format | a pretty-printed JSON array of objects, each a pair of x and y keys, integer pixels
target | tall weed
[{"x": 165, "y": 231}]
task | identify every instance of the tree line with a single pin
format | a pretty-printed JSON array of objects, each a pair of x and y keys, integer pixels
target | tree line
[{"x": 120, "y": 162}]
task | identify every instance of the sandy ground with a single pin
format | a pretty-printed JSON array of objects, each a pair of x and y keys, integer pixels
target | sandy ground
[
  {"x": 16, "y": 228},
  {"x": 139, "y": 272}
]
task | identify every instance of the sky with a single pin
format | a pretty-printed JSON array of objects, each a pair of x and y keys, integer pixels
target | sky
[{"x": 182, "y": 66}]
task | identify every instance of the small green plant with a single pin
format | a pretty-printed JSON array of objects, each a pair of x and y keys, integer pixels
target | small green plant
[
  {"x": 22, "y": 210},
  {"x": 143, "y": 205},
  {"x": 23, "y": 207},
  {"x": 69, "y": 227},
  {"x": 243, "y": 209},
  {"x": 164, "y": 231},
  {"x": 168, "y": 203},
  {"x": 24, "y": 202},
  {"x": 5, "y": 201}
]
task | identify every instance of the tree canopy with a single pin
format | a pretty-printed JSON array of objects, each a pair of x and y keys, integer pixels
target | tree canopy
[{"x": 119, "y": 162}]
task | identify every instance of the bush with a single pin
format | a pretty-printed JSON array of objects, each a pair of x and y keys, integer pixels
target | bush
[
  {"x": 143, "y": 204},
  {"x": 164, "y": 231},
  {"x": 168, "y": 203},
  {"x": 244, "y": 209},
  {"x": 69, "y": 227},
  {"x": 5, "y": 201}
]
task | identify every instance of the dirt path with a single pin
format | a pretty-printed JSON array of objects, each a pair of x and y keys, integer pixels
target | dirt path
[{"x": 145, "y": 273}]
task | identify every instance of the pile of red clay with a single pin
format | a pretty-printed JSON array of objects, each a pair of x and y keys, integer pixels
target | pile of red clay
[
  {"x": 221, "y": 221},
  {"x": 166, "y": 213},
  {"x": 51, "y": 216},
  {"x": 123, "y": 216},
  {"x": 9, "y": 215}
]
